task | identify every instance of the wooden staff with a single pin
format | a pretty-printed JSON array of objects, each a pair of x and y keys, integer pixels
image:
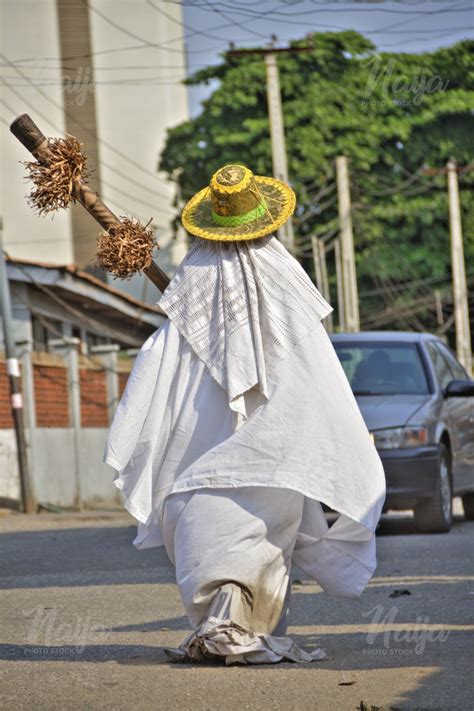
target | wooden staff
[{"x": 28, "y": 133}]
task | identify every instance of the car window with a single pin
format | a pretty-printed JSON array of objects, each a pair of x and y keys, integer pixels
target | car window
[
  {"x": 382, "y": 368},
  {"x": 444, "y": 374},
  {"x": 456, "y": 367}
]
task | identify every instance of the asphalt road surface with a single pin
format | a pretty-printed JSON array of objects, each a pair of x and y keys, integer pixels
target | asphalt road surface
[{"x": 84, "y": 617}]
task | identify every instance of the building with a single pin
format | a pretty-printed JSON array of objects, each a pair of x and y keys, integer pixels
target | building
[
  {"x": 52, "y": 301},
  {"x": 109, "y": 73},
  {"x": 76, "y": 337}
]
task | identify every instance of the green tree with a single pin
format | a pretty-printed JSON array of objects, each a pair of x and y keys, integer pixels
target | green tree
[{"x": 394, "y": 115}]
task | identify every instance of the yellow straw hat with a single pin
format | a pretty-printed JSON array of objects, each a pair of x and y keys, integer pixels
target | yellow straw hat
[{"x": 238, "y": 205}]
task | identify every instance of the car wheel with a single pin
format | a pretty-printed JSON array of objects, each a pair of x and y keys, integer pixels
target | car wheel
[
  {"x": 468, "y": 506},
  {"x": 435, "y": 515}
]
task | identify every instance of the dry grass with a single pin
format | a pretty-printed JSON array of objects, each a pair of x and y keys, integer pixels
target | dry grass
[
  {"x": 126, "y": 248},
  {"x": 54, "y": 180}
]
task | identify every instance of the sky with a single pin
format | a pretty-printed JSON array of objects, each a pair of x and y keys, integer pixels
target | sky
[{"x": 399, "y": 26}]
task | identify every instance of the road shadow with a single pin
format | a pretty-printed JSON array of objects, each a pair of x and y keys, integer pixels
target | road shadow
[
  {"x": 403, "y": 524},
  {"x": 77, "y": 557},
  {"x": 171, "y": 623},
  {"x": 442, "y": 675}
]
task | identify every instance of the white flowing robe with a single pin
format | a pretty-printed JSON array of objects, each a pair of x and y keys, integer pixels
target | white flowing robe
[{"x": 241, "y": 387}]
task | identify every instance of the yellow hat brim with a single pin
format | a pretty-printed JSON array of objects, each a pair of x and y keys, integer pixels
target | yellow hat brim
[{"x": 279, "y": 199}]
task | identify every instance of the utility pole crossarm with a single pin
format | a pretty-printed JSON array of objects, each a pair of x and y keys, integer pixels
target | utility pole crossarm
[{"x": 262, "y": 51}]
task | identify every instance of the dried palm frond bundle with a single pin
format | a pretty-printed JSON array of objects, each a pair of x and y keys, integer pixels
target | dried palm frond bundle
[
  {"x": 126, "y": 248},
  {"x": 59, "y": 176},
  {"x": 54, "y": 180}
]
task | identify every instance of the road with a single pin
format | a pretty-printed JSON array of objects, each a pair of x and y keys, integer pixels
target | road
[{"x": 83, "y": 617}]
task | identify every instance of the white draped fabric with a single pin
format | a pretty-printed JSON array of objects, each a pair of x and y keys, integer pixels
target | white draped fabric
[
  {"x": 242, "y": 307},
  {"x": 240, "y": 388},
  {"x": 234, "y": 577}
]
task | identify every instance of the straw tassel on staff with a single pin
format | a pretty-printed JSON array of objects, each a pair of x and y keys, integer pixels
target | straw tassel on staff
[{"x": 59, "y": 176}]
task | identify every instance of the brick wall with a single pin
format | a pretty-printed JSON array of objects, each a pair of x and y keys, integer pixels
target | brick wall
[
  {"x": 51, "y": 391},
  {"x": 51, "y": 395},
  {"x": 6, "y": 419},
  {"x": 122, "y": 378},
  {"x": 93, "y": 398}
]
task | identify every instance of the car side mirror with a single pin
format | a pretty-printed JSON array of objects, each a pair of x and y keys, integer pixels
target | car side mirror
[{"x": 459, "y": 388}]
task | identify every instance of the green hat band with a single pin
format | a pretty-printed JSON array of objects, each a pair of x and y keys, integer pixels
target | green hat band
[{"x": 237, "y": 220}]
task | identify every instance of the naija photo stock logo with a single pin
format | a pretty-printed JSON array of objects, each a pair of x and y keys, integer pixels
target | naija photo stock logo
[
  {"x": 77, "y": 86},
  {"x": 385, "y": 85},
  {"x": 386, "y": 637},
  {"x": 49, "y": 636}
]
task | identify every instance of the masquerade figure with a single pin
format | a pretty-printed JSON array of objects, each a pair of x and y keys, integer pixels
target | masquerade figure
[{"x": 237, "y": 424}]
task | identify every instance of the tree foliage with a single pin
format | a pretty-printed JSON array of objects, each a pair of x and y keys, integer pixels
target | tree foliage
[{"x": 394, "y": 115}]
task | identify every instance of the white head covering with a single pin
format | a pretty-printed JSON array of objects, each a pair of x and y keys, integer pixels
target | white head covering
[{"x": 242, "y": 306}]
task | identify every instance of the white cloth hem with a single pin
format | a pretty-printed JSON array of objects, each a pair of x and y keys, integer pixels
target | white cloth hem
[{"x": 222, "y": 638}]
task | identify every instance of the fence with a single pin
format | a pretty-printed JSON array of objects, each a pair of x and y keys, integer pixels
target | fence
[{"x": 70, "y": 400}]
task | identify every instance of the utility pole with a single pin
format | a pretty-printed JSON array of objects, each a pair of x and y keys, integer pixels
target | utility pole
[
  {"x": 340, "y": 285},
  {"x": 277, "y": 135},
  {"x": 349, "y": 277},
  {"x": 439, "y": 308},
  {"x": 16, "y": 397},
  {"x": 275, "y": 115},
  {"x": 460, "y": 295},
  {"x": 321, "y": 273}
]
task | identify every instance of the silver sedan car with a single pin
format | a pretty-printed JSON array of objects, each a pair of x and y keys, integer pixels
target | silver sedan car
[{"x": 417, "y": 400}]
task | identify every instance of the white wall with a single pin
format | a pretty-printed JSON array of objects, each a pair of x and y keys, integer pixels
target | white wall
[
  {"x": 51, "y": 464},
  {"x": 134, "y": 108},
  {"x": 138, "y": 95},
  {"x": 29, "y": 32},
  {"x": 9, "y": 477}
]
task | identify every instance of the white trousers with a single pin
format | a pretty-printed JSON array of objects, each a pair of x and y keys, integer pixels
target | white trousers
[{"x": 232, "y": 549}]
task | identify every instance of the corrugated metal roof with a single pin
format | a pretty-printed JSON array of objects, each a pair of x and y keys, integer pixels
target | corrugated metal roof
[{"x": 85, "y": 276}]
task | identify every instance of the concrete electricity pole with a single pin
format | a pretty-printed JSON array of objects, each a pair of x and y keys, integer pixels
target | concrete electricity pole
[
  {"x": 277, "y": 135},
  {"x": 340, "y": 286},
  {"x": 460, "y": 295},
  {"x": 16, "y": 397},
  {"x": 349, "y": 278},
  {"x": 321, "y": 272},
  {"x": 275, "y": 115}
]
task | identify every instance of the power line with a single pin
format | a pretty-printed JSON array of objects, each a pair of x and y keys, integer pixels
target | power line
[
  {"x": 97, "y": 326},
  {"x": 118, "y": 208},
  {"x": 85, "y": 128},
  {"x": 107, "y": 165},
  {"x": 34, "y": 241},
  {"x": 390, "y": 315},
  {"x": 115, "y": 68},
  {"x": 254, "y": 15},
  {"x": 452, "y": 10},
  {"x": 444, "y": 33},
  {"x": 144, "y": 42},
  {"x": 315, "y": 208},
  {"x": 417, "y": 175},
  {"x": 103, "y": 182},
  {"x": 192, "y": 30},
  {"x": 239, "y": 24},
  {"x": 405, "y": 191},
  {"x": 401, "y": 286},
  {"x": 132, "y": 81},
  {"x": 332, "y": 10},
  {"x": 104, "y": 163}
]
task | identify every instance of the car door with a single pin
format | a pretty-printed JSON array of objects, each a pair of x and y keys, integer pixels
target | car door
[
  {"x": 456, "y": 414},
  {"x": 467, "y": 474}
]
